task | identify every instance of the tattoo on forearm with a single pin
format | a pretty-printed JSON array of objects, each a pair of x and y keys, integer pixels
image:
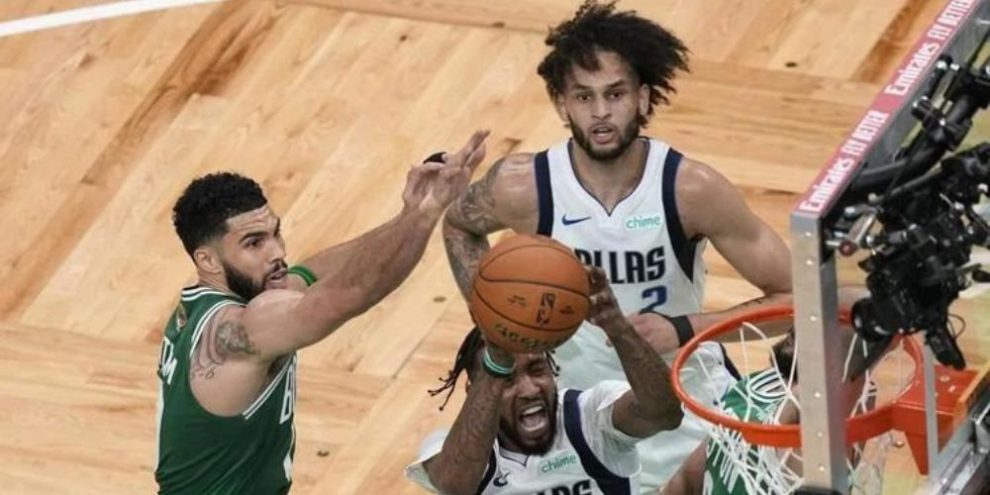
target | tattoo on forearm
[
  {"x": 224, "y": 340},
  {"x": 464, "y": 254},
  {"x": 470, "y": 220},
  {"x": 649, "y": 377},
  {"x": 480, "y": 420},
  {"x": 472, "y": 437},
  {"x": 475, "y": 210}
]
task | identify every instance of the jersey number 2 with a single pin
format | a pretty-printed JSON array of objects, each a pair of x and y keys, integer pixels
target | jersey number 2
[{"x": 655, "y": 297}]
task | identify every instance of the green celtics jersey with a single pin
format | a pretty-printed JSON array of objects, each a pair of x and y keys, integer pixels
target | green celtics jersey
[
  {"x": 723, "y": 476},
  {"x": 201, "y": 453}
]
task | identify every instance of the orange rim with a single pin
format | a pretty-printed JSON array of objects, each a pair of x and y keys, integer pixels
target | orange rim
[{"x": 858, "y": 428}]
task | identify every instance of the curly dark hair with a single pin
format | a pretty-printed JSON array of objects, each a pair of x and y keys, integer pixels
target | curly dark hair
[
  {"x": 653, "y": 53},
  {"x": 201, "y": 213},
  {"x": 468, "y": 360}
]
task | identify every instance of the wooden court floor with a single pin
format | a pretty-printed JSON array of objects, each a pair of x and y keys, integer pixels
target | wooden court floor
[{"x": 326, "y": 102}]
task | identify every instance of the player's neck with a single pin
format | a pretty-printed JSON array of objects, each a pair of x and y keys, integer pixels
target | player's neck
[
  {"x": 507, "y": 444},
  {"x": 213, "y": 281},
  {"x": 612, "y": 180}
]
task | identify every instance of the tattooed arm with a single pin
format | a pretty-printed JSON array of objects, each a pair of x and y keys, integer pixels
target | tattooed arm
[
  {"x": 504, "y": 198},
  {"x": 224, "y": 372},
  {"x": 460, "y": 465},
  {"x": 237, "y": 348},
  {"x": 651, "y": 406}
]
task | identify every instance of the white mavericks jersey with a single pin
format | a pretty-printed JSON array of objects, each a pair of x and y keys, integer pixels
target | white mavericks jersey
[
  {"x": 589, "y": 456},
  {"x": 652, "y": 266}
]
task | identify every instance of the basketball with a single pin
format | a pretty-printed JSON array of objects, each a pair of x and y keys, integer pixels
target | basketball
[{"x": 530, "y": 294}]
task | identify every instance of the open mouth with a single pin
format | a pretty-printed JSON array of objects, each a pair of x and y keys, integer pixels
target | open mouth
[
  {"x": 279, "y": 275},
  {"x": 602, "y": 133},
  {"x": 533, "y": 419}
]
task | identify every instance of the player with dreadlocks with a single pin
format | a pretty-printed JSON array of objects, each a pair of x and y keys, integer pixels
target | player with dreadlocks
[
  {"x": 467, "y": 361},
  {"x": 517, "y": 433},
  {"x": 630, "y": 204}
]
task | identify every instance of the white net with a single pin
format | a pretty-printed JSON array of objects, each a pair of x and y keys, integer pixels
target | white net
[{"x": 764, "y": 395}]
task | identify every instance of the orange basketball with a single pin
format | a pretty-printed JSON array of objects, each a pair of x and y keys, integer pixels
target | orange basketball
[{"x": 530, "y": 294}]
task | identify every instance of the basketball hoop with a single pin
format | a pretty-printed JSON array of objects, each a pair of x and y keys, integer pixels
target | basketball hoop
[{"x": 773, "y": 447}]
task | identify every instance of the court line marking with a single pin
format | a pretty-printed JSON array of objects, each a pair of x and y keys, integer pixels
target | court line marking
[{"x": 89, "y": 14}]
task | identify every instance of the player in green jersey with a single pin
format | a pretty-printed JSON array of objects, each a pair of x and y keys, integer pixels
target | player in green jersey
[{"x": 228, "y": 360}]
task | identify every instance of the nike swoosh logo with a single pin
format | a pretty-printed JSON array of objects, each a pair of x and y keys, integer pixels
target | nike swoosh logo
[
  {"x": 572, "y": 221},
  {"x": 501, "y": 481}
]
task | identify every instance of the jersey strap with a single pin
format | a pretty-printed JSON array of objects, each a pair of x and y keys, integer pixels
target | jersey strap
[
  {"x": 544, "y": 193},
  {"x": 489, "y": 473},
  {"x": 684, "y": 248},
  {"x": 609, "y": 482}
]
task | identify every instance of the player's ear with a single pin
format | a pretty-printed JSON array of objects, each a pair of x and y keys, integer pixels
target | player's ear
[
  {"x": 207, "y": 259},
  {"x": 643, "y": 94},
  {"x": 558, "y": 104}
]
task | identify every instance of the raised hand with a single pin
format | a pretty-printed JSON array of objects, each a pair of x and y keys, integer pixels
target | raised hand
[
  {"x": 432, "y": 186},
  {"x": 604, "y": 310}
]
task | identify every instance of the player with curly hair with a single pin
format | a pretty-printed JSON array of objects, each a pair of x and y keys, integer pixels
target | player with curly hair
[{"x": 629, "y": 204}]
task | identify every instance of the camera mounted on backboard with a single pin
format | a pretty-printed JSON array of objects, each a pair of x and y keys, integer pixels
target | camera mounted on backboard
[{"x": 916, "y": 215}]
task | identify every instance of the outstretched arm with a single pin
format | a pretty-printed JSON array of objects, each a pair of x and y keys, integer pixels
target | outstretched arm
[
  {"x": 651, "y": 406},
  {"x": 504, "y": 198},
  {"x": 356, "y": 275},
  {"x": 459, "y": 467}
]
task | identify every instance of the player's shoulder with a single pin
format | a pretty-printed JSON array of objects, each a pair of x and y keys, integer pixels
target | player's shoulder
[
  {"x": 515, "y": 164},
  {"x": 269, "y": 300},
  {"x": 253, "y": 312},
  {"x": 696, "y": 176},
  {"x": 513, "y": 179},
  {"x": 203, "y": 304},
  {"x": 699, "y": 185}
]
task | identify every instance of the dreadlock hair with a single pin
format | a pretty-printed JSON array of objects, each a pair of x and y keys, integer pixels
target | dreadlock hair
[
  {"x": 653, "y": 53},
  {"x": 468, "y": 360}
]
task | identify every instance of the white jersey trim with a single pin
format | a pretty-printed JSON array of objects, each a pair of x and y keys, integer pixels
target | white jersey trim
[
  {"x": 269, "y": 389},
  {"x": 193, "y": 293},
  {"x": 210, "y": 313}
]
